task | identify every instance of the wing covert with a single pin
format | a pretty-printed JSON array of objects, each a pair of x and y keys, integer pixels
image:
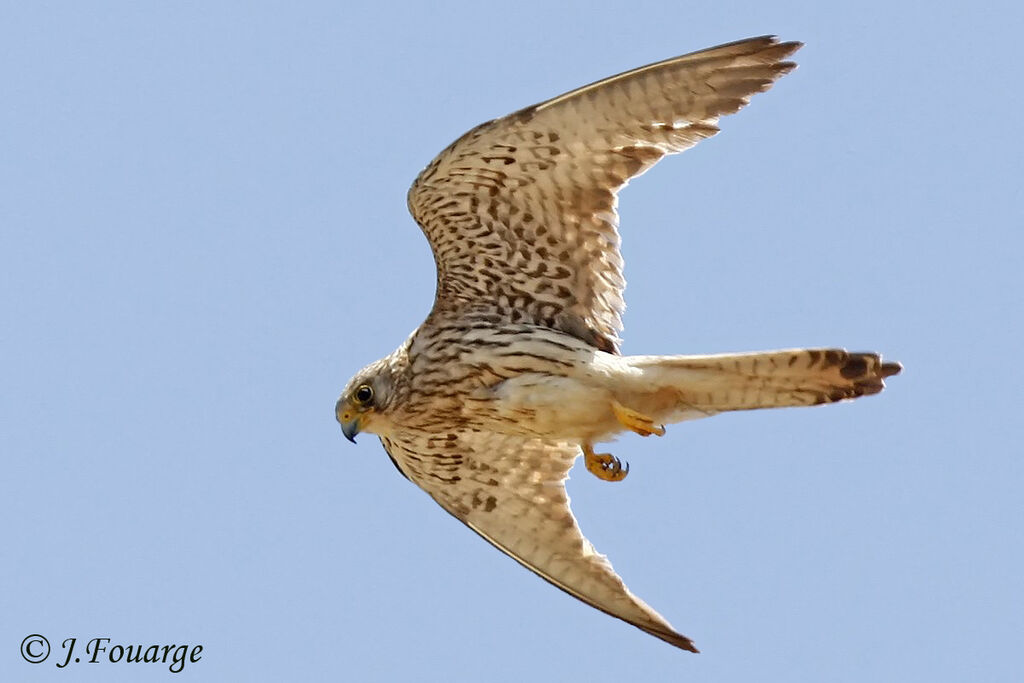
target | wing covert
[{"x": 520, "y": 212}]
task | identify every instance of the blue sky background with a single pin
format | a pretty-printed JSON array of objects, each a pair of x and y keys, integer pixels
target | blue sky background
[{"x": 203, "y": 234}]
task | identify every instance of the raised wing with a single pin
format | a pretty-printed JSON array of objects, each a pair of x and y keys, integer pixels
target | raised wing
[
  {"x": 520, "y": 212},
  {"x": 511, "y": 491}
]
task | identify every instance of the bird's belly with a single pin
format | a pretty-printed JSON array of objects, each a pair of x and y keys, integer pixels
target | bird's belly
[{"x": 550, "y": 406}]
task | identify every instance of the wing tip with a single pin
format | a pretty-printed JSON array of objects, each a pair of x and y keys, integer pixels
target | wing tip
[
  {"x": 758, "y": 44},
  {"x": 769, "y": 50},
  {"x": 685, "y": 643},
  {"x": 673, "y": 638},
  {"x": 776, "y": 53}
]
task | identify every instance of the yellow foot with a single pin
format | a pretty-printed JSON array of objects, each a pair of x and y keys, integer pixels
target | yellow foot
[
  {"x": 604, "y": 465},
  {"x": 638, "y": 422}
]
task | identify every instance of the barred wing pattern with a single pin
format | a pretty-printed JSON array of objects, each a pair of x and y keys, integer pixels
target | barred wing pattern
[
  {"x": 511, "y": 491},
  {"x": 520, "y": 212}
]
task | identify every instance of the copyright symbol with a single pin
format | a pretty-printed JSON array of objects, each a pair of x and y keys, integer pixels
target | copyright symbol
[{"x": 35, "y": 648}]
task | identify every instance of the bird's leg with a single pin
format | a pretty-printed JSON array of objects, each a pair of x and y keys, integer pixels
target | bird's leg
[
  {"x": 604, "y": 465},
  {"x": 637, "y": 422}
]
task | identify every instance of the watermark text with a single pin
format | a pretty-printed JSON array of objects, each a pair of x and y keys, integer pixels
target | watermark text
[{"x": 35, "y": 649}]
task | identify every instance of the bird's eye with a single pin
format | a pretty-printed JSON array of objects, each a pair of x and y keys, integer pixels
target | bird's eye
[{"x": 364, "y": 394}]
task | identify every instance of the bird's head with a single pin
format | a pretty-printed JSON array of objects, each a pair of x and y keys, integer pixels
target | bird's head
[{"x": 362, "y": 405}]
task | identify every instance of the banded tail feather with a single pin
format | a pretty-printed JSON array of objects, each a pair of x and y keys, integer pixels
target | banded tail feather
[{"x": 768, "y": 379}]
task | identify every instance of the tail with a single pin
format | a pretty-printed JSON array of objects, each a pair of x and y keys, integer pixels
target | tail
[{"x": 772, "y": 379}]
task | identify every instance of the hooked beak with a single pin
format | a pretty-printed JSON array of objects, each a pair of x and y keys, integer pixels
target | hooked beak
[
  {"x": 350, "y": 428},
  {"x": 349, "y": 420}
]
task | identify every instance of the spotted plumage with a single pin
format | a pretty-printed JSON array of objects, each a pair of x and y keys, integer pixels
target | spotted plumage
[{"x": 516, "y": 370}]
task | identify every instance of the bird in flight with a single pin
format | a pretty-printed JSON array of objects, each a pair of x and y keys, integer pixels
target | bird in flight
[{"x": 516, "y": 371}]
